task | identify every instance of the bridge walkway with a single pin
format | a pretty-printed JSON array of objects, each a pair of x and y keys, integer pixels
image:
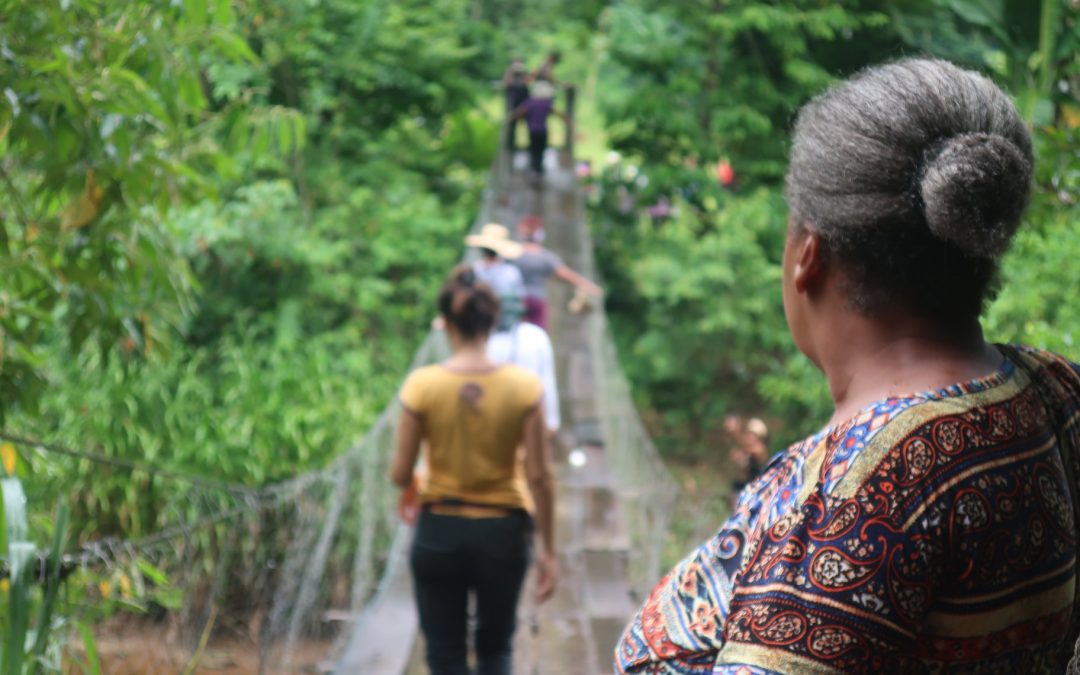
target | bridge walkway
[{"x": 574, "y": 632}]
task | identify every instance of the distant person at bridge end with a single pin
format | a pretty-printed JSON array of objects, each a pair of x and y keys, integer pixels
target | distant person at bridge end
[
  {"x": 546, "y": 69},
  {"x": 516, "y": 89},
  {"x": 479, "y": 498}
]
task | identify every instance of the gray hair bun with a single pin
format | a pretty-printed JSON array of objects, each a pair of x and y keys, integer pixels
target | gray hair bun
[
  {"x": 916, "y": 175},
  {"x": 974, "y": 189}
]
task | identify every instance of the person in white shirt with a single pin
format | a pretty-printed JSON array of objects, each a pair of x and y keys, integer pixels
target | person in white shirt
[{"x": 526, "y": 345}]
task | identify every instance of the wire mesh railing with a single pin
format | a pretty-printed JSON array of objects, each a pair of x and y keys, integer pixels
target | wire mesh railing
[
  {"x": 283, "y": 569},
  {"x": 646, "y": 489}
]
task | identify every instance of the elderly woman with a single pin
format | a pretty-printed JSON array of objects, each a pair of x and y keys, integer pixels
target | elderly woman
[{"x": 930, "y": 525}]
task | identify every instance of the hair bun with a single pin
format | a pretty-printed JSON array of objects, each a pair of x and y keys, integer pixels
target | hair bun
[{"x": 974, "y": 190}]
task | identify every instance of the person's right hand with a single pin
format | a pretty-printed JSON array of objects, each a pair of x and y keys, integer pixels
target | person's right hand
[
  {"x": 547, "y": 575},
  {"x": 409, "y": 503}
]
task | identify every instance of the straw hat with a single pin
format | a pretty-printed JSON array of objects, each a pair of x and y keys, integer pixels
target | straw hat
[
  {"x": 542, "y": 89},
  {"x": 497, "y": 238}
]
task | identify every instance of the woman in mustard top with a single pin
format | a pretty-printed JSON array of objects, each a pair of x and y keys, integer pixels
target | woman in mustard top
[{"x": 479, "y": 496}]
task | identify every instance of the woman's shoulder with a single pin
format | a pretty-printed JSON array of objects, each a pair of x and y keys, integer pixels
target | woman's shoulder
[
  {"x": 518, "y": 386},
  {"x": 415, "y": 392},
  {"x": 424, "y": 373},
  {"x": 1064, "y": 371},
  {"x": 1035, "y": 353},
  {"x": 913, "y": 443},
  {"x": 533, "y": 333},
  {"x": 518, "y": 375}
]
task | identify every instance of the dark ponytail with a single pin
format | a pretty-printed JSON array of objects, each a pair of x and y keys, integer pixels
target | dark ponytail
[{"x": 468, "y": 304}]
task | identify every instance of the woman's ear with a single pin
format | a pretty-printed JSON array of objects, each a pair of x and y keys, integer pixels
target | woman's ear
[{"x": 808, "y": 270}]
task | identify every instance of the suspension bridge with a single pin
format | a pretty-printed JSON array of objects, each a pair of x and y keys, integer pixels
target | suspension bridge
[
  {"x": 310, "y": 575},
  {"x": 612, "y": 511}
]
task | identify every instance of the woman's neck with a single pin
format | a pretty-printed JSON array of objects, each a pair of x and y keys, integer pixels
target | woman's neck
[
  {"x": 899, "y": 356},
  {"x": 468, "y": 354}
]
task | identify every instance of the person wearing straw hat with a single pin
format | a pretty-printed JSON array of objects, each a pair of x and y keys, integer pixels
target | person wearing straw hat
[
  {"x": 496, "y": 248},
  {"x": 536, "y": 109}
]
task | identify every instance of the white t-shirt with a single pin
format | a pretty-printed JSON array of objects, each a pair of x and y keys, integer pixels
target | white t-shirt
[{"x": 529, "y": 346}]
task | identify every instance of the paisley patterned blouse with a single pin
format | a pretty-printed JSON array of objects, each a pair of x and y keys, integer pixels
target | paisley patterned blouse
[{"x": 928, "y": 533}]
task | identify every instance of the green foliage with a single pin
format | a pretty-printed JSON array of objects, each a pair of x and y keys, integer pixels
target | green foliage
[
  {"x": 106, "y": 123},
  {"x": 40, "y": 599},
  {"x": 705, "y": 295},
  {"x": 695, "y": 299},
  {"x": 240, "y": 242},
  {"x": 695, "y": 81},
  {"x": 378, "y": 81},
  {"x": 290, "y": 352},
  {"x": 700, "y": 319},
  {"x": 340, "y": 146},
  {"x": 1029, "y": 45},
  {"x": 28, "y": 618},
  {"x": 688, "y": 84},
  {"x": 1036, "y": 305}
]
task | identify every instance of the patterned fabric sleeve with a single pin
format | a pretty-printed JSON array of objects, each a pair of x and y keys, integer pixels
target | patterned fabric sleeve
[
  {"x": 932, "y": 532},
  {"x": 838, "y": 585},
  {"x": 680, "y": 627}
]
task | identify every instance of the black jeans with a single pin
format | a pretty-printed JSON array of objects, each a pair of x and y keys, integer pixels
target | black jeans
[
  {"x": 538, "y": 141},
  {"x": 452, "y": 556}
]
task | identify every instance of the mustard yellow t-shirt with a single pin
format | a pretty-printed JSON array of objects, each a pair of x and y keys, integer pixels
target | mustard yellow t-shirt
[{"x": 473, "y": 425}]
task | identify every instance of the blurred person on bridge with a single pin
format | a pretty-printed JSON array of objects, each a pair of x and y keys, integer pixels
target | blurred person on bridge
[
  {"x": 546, "y": 69},
  {"x": 496, "y": 249},
  {"x": 516, "y": 90},
  {"x": 931, "y": 525},
  {"x": 749, "y": 452},
  {"x": 537, "y": 265},
  {"x": 536, "y": 110},
  {"x": 479, "y": 498},
  {"x": 527, "y": 345}
]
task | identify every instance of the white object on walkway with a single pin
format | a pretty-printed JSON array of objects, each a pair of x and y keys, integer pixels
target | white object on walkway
[{"x": 577, "y": 458}]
